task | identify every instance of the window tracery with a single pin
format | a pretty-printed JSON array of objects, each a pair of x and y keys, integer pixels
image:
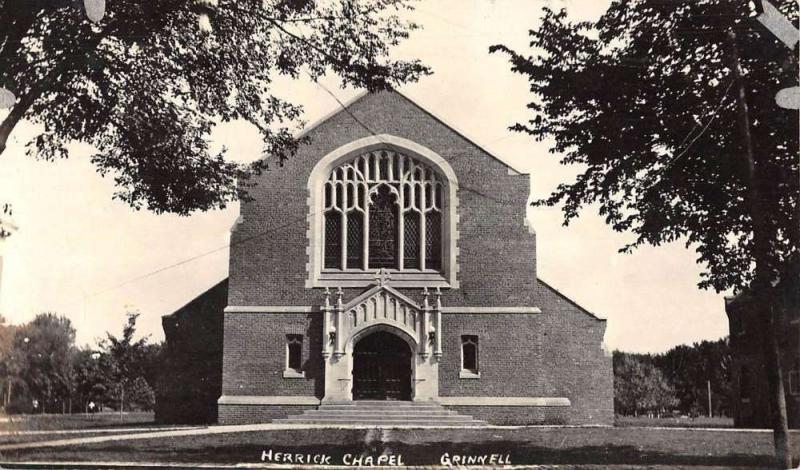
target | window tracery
[{"x": 383, "y": 209}]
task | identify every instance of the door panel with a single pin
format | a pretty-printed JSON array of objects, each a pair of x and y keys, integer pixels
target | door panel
[{"x": 381, "y": 368}]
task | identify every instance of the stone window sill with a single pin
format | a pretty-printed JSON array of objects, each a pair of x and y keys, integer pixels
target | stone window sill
[
  {"x": 466, "y": 374},
  {"x": 293, "y": 374},
  {"x": 358, "y": 278}
]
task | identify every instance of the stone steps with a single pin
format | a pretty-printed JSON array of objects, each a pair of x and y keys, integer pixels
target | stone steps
[{"x": 382, "y": 413}]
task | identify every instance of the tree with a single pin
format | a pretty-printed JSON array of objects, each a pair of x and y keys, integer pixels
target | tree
[
  {"x": 124, "y": 365},
  {"x": 145, "y": 86},
  {"x": 41, "y": 356},
  {"x": 7, "y": 332},
  {"x": 91, "y": 382},
  {"x": 691, "y": 368},
  {"x": 669, "y": 109},
  {"x": 639, "y": 386}
]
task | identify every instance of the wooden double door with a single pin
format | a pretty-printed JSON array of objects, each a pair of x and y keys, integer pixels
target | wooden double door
[{"x": 381, "y": 368}]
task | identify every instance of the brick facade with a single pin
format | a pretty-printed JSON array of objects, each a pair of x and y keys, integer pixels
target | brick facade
[
  {"x": 750, "y": 401},
  {"x": 191, "y": 374},
  {"x": 552, "y": 350}
]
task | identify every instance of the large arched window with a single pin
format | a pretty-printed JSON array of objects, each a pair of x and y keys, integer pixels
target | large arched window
[
  {"x": 383, "y": 209},
  {"x": 382, "y": 202}
]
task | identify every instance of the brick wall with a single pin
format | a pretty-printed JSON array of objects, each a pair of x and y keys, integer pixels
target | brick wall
[
  {"x": 253, "y": 414},
  {"x": 516, "y": 415},
  {"x": 268, "y": 253},
  {"x": 553, "y": 354},
  {"x": 190, "y": 378},
  {"x": 255, "y": 353}
]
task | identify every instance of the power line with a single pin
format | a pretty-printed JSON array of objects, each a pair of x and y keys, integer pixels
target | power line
[
  {"x": 368, "y": 129},
  {"x": 295, "y": 221},
  {"x": 714, "y": 115}
]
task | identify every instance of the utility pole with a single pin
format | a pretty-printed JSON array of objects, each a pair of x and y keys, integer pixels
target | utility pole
[
  {"x": 760, "y": 287},
  {"x": 7, "y": 228},
  {"x": 710, "y": 414}
]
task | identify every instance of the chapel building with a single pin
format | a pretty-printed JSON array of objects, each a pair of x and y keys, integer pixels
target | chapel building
[{"x": 390, "y": 261}]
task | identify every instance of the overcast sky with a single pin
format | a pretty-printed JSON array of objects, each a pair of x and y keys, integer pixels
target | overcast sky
[{"x": 92, "y": 259}]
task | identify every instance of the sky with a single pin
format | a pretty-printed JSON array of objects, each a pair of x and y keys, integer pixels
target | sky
[{"x": 81, "y": 254}]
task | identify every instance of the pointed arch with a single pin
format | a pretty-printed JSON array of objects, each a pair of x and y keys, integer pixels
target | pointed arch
[{"x": 322, "y": 274}]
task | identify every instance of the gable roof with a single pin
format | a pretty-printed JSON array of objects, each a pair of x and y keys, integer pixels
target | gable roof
[
  {"x": 343, "y": 107},
  {"x": 568, "y": 300},
  {"x": 220, "y": 289}
]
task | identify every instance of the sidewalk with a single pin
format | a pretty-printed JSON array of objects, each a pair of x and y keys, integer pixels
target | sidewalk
[{"x": 222, "y": 429}]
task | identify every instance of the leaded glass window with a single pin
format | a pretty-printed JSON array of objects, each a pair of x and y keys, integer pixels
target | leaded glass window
[
  {"x": 383, "y": 209},
  {"x": 383, "y": 215},
  {"x": 469, "y": 353},
  {"x": 294, "y": 352}
]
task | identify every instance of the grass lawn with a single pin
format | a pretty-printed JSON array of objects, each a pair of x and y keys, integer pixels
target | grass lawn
[
  {"x": 48, "y": 422},
  {"x": 577, "y": 446}
]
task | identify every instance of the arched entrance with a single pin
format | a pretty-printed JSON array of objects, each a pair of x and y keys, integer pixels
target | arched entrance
[{"x": 381, "y": 368}]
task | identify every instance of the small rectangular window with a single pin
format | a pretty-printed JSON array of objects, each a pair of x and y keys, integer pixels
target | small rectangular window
[
  {"x": 294, "y": 352},
  {"x": 737, "y": 323},
  {"x": 794, "y": 382},
  {"x": 744, "y": 384},
  {"x": 469, "y": 353}
]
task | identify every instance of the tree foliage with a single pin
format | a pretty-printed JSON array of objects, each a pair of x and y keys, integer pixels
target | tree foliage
[
  {"x": 690, "y": 369},
  {"x": 44, "y": 365},
  {"x": 643, "y": 100},
  {"x": 8, "y": 368},
  {"x": 124, "y": 363},
  {"x": 42, "y": 358},
  {"x": 640, "y": 387},
  {"x": 675, "y": 380},
  {"x": 145, "y": 86}
]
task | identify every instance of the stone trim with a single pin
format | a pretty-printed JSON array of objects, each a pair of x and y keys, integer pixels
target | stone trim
[
  {"x": 504, "y": 401},
  {"x": 369, "y": 293},
  {"x": 314, "y": 308},
  {"x": 271, "y": 309},
  {"x": 267, "y": 400},
  {"x": 492, "y": 310},
  {"x": 293, "y": 374},
  {"x": 465, "y": 374}
]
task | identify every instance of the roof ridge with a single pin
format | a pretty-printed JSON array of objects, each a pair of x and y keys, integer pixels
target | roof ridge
[{"x": 341, "y": 107}]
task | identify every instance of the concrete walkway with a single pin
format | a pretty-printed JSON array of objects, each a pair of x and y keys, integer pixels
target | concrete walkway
[
  {"x": 197, "y": 432},
  {"x": 154, "y": 433},
  {"x": 94, "y": 430}
]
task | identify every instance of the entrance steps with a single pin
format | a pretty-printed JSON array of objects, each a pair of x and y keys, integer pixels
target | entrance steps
[{"x": 382, "y": 413}]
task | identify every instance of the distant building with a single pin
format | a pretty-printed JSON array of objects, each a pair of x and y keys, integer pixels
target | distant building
[
  {"x": 390, "y": 260},
  {"x": 751, "y": 404}
]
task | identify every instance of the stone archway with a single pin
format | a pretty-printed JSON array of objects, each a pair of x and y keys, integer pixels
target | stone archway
[
  {"x": 382, "y": 368},
  {"x": 381, "y": 309}
]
